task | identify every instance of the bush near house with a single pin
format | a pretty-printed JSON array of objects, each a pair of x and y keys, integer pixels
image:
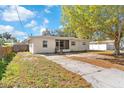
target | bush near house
[
  {"x": 4, "y": 62},
  {"x": 27, "y": 70}
]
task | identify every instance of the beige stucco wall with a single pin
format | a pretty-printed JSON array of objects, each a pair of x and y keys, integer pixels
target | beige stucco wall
[
  {"x": 79, "y": 45},
  {"x": 38, "y": 46}
]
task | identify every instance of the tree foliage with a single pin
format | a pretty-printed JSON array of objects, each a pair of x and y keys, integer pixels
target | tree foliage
[
  {"x": 7, "y": 35},
  {"x": 57, "y": 32},
  {"x": 7, "y": 38},
  {"x": 98, "y": 22}
]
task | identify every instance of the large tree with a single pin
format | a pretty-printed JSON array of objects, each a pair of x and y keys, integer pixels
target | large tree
[{"x": 89, "y": 21}]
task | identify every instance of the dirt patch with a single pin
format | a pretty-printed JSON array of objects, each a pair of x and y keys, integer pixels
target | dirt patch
[
  {"x": 98, "y": 62},
  {"x": 119, "y": 61},
  {"x": 106, "y": 56}
]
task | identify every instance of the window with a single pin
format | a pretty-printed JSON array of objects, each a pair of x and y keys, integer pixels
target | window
[
  {"x": 45, "y": 44},
  {"x": 84, "y": 43},
  {"x": 72, "y": 43}
]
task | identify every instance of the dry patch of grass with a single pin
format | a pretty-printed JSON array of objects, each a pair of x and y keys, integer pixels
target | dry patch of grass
[
  {"x": 27, "y": 70},
  {"x": 98, "y": 62},
  {"x": 101, "y": 52},
  {"x": 112, "y": 58}
]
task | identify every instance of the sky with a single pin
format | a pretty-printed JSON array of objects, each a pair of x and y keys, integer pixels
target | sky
[{"x": 34, "y": 18}]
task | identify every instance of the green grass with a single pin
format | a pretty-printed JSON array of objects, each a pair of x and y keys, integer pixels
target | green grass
[
  {"x": 2, "y": 68},
  {"x": 27, "y": 71},
  {"x": 4, "y": 62}
]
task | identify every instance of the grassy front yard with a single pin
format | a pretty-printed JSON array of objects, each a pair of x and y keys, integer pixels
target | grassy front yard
[{"x": 27, "y": 70}]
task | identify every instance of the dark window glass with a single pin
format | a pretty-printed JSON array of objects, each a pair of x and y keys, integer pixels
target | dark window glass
[
  {"x": 84, "y": 43},
  {"x": 61, "y": 44},
  {"x": 44, "y": 44},
  {"x": 66, "y": 44},
  {"x": 57, "y": 44},
  {"x": 72, "y": 43}
]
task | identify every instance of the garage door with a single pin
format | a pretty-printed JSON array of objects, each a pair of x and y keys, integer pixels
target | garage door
[{"x": 97, "y": 47}]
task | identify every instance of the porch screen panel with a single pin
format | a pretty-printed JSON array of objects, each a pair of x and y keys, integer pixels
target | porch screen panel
[
  {"x": 66, "y": 44},
  {"x": 61, "y": 44}
]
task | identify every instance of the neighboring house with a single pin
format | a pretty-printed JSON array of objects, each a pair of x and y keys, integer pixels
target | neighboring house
[
  {"x": 102, "y": 45},
  {"x": 52, "y": 44}
]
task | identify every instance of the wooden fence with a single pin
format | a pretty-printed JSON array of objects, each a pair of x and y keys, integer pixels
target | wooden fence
[
  {"x": 4, "y": 51},
  {"x": 20, "y": 48}
]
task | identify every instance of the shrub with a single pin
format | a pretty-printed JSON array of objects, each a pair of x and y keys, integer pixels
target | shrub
[
  {"x": 2, "y": 69},
  {"x": 4, "y": 62},
  {"x": 10, "y": 56}
]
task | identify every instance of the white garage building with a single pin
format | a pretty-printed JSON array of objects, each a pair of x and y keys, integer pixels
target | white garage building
[{"x": 102, "y": 45}]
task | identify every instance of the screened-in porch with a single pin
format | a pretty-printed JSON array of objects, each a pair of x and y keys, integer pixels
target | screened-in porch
[{"x": 62, "y": 45}]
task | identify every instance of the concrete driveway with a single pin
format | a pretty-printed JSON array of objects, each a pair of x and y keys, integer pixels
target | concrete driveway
[{"x": 99, "y": 77}]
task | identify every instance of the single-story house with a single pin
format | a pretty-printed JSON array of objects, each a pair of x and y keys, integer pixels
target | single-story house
[
  {"x": 52, "y": 44},
  {"x": 102, "y": 45}
]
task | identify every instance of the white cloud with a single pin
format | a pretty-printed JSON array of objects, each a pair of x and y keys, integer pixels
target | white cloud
[
  {"x": 45, "y": 21},
  {"x": 19, "y": 33},
  {"x": 10, "y": 13},
  {"x": 32, "y": 24},
  {"x": 43, "y": 26},
  {"x": 47, "y": 9},
  {"x": 12, "y": 30},
  {"x": 35, "y": 27},
  {"x": 42, "y": 29},
  {"x": 6, "y": 28},
  {"x": 61, "y": 26}
]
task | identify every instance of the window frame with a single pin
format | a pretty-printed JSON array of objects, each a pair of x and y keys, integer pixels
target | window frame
[
  {"x": 73, "y": 43},
  {"x": 45, "y": 44},
  {"x": 83, "y": 43}
]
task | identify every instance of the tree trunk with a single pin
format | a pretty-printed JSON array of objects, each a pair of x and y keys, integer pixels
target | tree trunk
[
  {"x": 117, "y": 43},
  {"x": 117, "y": 47}
]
